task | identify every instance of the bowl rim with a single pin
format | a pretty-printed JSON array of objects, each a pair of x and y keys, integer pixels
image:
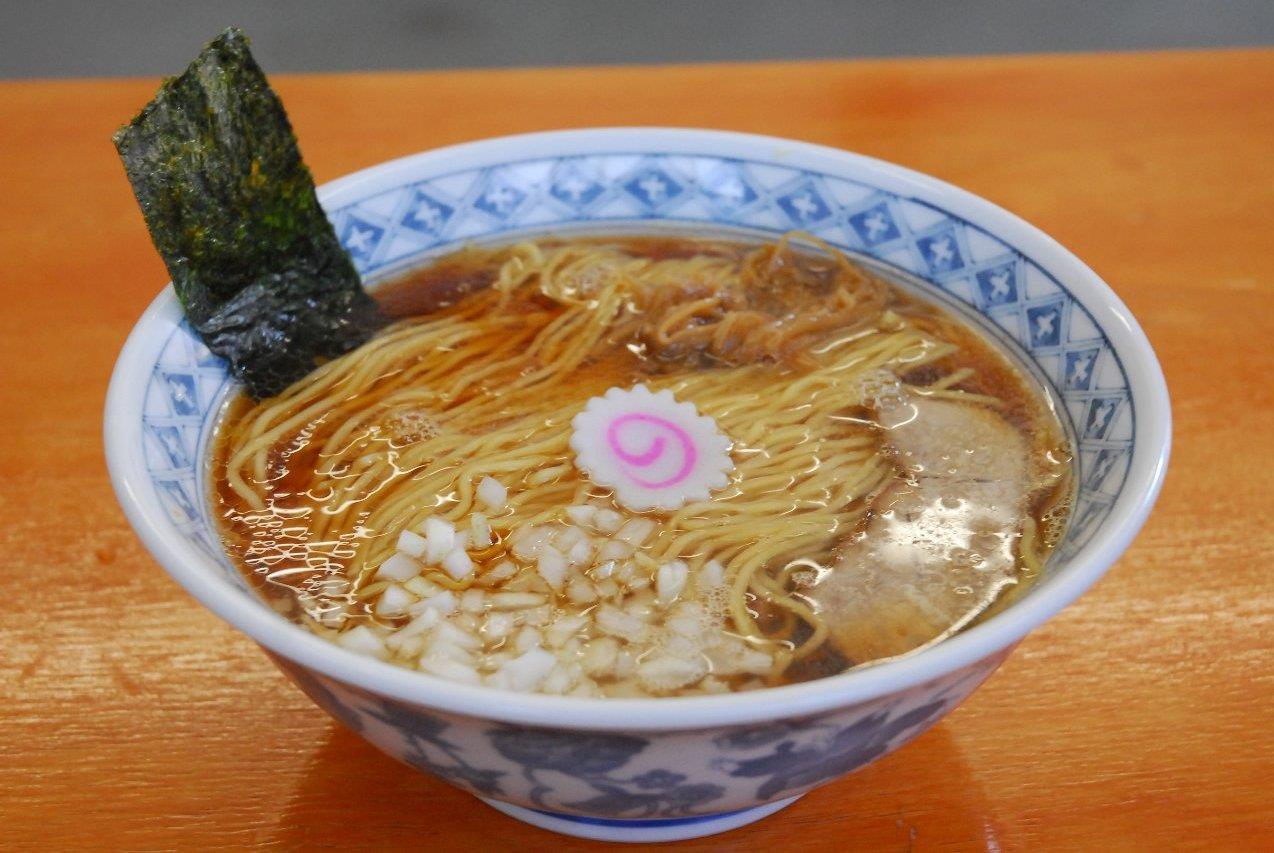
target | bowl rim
[{"x": 202, "y": 579}]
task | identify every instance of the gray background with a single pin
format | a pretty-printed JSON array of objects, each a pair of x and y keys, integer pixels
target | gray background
[{"x": 59, "y": 38}]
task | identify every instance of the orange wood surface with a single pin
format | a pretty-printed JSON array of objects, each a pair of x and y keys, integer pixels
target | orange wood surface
[{"x": 1142, "y": 718}]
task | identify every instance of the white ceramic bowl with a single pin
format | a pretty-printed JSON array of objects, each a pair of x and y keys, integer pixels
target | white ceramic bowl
[{"x": 641, "y": 769}]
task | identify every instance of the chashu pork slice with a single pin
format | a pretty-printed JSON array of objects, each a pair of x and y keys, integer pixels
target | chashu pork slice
[{"x": 940, "y": 544}]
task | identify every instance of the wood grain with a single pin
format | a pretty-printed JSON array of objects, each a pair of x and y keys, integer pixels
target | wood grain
[{"x": 1138, "y": 719}]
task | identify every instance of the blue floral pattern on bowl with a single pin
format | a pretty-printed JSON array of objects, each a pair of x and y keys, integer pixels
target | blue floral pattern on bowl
[{"x": 634, "y": 775}]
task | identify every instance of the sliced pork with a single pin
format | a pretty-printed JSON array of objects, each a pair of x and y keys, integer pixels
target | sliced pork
[{"x": 939, "y": 544}]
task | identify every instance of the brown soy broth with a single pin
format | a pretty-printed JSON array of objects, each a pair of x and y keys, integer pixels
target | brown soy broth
[
  {"x": 259, "y": 541},
  {"x": 305, "y": 576}
]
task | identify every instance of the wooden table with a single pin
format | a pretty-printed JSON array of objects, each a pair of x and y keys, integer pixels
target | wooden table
[{"x": 1138, "y": 719}]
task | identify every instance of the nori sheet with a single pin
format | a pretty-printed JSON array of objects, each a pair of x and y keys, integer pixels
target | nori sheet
[{"x": 231, "y": 207}]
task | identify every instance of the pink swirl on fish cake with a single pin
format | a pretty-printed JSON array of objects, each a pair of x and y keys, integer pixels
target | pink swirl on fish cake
[{"x": 656, "y": 450}]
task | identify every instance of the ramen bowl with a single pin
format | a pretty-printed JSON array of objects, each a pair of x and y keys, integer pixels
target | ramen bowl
[{"x": 659, "y": 769}]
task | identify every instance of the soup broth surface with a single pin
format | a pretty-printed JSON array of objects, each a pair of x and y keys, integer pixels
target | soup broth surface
[{"x": 892, "y": 476}]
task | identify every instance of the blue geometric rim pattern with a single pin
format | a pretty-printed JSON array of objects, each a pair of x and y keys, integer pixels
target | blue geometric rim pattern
[{"x": 394, "y": 229}]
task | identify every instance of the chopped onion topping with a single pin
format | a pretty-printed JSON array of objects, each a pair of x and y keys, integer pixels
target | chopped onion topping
[
  {"x": 527, "y": 638},
  {"x": 552, "y": 567},
  {"x": 565, "y": 628},
  {"x": 598, "y": 657},
  {"x": 422, "y": 623},
  {"x": 581, "y": 591},
  {"x": 411, "y": 544},
  {"x": 636, "y": 531},
  {"x": 620, "y": 624},
  {"x": 399, "y": 567},
  {"x": 578, "y": 607},
  {"x": 394, "y": 601},
  {"x": 479, "y": 530},
  {"x": 457, "y": 564},
  {"x": 441, "y": 537},
  {"x": 712, "y": 574},
  {"x": 525, "y": 672},
  {"x": 452, "y": 634},
  {"x": 607, "y": 520},
  {"x": 363, "y": 640},
  {"x": 473, "y": 600},
  {"x": 492, "y": 493},
  {"x": 444, "y": 602},
  {"x": 614, "y": 549},
  {"x": 664, "y": 673},
  {"x": 529, "y": 541},
  {"x": 670, "y": 581},
  {"x": 449, "y": 669},
  {"x": 498, "y": 626},
  {"x": 581, "y": 553}
]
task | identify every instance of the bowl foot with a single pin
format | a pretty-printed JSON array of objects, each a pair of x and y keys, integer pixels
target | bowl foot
[{"x": 655, "y": 829}]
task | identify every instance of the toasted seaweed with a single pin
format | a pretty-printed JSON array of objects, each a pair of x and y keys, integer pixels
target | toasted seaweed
[{"x": 232, "y": 209}]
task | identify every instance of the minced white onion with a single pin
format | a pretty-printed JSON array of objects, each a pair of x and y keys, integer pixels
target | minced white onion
[
  {"x": 501, "y": 571},
  {"x": 525, "y": 672},
  {"x": 498, "y": 626},
  {"x": 633, "y": 641},
  {"x": 614, "y": 549},
  {"x": 564, "y": 538},
  {"x": 527, "y": 638},
  {"x": 582, "y": 514},
  {"x": 398, "y": 567},
  {"x": 558, "y": 681},
  {"x": 598, "y": 656},
  {"x": 607, "y": 520},
  {"x": 449, "y": 632},
  {"x": 363, "y": 640},
  {"x": 552, "y": 567},
  {"x": 664, "y": 673},
  {"x": 480, "y": 530},
  {"x": 452, "y": 670},
  {"x": 492, "y": 493},
  {"x": 457, "y": 564},
  {"x": 625, "y": 664},
  {"x": 422, "y": 623},
  {"x": 635, "y": 531},
  {"x": 444, "y": 602},
  {"x": 670, "y": 580},
  {"x": 732, "y": 657},
  {"x": 441, "y": 537},
  {"x": 563, "y": 629},
  {"x": 472, "y": 600},
  {"x": 581, "y": 553},
  {"x": 394, "y": 601},
  {"x": 712, "y": 574},
  {"x": 580, "y": 591},
  {"x": 620, "y": 624},
  {"x": 411, "y": 544},
  {"x": 529, "y": 541}
]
